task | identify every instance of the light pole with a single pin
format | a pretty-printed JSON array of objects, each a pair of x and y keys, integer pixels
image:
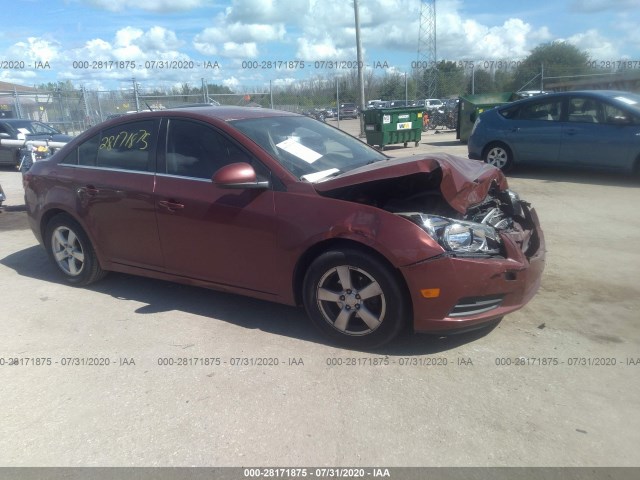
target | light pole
[{"x": 360, "y": 69}]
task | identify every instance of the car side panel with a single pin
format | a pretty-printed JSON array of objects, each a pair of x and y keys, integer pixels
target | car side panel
[
  {"x": 224, "y": 236},
  {"x": 116, "y": 209},
  {"x": 600, "y": 145}
]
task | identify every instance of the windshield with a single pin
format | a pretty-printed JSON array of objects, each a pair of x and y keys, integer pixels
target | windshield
[{"x": 309, "y": 149}]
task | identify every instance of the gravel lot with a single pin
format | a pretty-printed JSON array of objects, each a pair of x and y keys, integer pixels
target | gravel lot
[{"x": 438, "y": 402}]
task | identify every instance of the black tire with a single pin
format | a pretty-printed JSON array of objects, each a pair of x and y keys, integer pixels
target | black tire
[
  {"x": 71, "y": 251},
  {"x": 341, "y": 313},
  {"x": 498, "y": 155}
]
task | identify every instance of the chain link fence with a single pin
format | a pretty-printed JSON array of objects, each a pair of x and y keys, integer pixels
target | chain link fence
[{"x": 74, "y": 110}]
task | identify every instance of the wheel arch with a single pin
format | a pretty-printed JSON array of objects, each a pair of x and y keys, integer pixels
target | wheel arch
[
  {"x": 53, "y": 212},
  {"x": 502, "y": 144},
  {"x": 498, "y": 143},
  {"x": 307, "y": 258}
]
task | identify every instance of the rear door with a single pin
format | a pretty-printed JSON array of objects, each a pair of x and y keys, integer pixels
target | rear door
[
  {"x": 534, "y": 131},
  {"x": 112, "y": 176}
]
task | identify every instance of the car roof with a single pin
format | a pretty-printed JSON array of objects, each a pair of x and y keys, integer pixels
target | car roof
[
  {"x": 601, "y": 94},
  {"x": 224, "y": 114}
]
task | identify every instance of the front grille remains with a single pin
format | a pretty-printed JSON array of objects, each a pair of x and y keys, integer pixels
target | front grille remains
[{"x": 475, "y": 305}]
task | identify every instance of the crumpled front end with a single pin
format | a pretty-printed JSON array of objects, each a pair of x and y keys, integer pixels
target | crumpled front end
[
  {"x": 492, "y": 249},
  {"x": 460, "y": 291}
]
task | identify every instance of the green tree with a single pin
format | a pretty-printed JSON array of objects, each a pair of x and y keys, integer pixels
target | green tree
[
  {"x": 451, "y": 79},
  {"x": 392, "y": 86},
  {"x": 482, "y": 81},
  {"x": 556, "y": 58}
]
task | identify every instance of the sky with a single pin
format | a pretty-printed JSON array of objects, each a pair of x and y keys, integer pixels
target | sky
[{"x": 244, "y": 44}]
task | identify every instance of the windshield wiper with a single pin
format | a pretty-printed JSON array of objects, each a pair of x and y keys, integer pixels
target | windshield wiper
[{"x": 318, "y": 176}]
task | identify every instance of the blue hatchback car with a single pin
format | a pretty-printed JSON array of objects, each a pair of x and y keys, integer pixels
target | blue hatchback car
[{"x": 593, "y": 129}]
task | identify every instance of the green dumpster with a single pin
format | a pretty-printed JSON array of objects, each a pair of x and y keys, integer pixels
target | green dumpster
[
  {"x": 471, "y": 106},
  {"x": 386, "y": 126}
]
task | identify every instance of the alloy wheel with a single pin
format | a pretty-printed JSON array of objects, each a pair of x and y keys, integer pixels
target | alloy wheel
[
  {"x": 67, "y": 251},
  {"x": 351, "y": 300}
]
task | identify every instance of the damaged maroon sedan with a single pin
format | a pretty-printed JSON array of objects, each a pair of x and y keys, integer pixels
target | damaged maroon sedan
[{"x": 282, "y": 207}]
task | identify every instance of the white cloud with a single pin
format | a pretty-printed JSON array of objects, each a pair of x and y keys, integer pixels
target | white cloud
[
  {"x": 35, "y": 49},
  {"x": 150, "y": 5},
  {"x": 233, "y": 83},
  {"x": 240, "y": 50},
  {"x": 159, "y": 39},
  {"x": 269, "y": 11},
  {"x": 323, "y": 49},
  {"x": 460, "y": 38},
  {"x": 241, "y": 33},
  {"x": 594, "y": 44},
  {"x": 130, "y": 43},
  {"x": 283, "y": 82},
  {"x": 236, "y": 39},
  {"x": 393, "y": 26}
]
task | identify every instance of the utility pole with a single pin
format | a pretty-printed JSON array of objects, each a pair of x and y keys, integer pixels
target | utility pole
[
  {"x": 427, "y": 52},
  {"x": 360, "y": 69}
]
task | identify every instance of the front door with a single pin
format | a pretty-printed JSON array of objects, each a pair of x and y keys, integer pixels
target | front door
[{"x": 224, "y": 236}]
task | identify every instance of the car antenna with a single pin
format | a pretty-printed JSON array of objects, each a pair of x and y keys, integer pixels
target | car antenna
[{"x": 148, "y": 106}]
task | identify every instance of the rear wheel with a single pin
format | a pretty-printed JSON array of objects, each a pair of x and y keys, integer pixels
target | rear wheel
[
  {"x": 354, "y": 299},
  {"x": 71, "y": 251},
  {"x": 498, "y": 155}
]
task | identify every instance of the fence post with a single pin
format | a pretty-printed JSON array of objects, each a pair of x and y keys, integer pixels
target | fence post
[
  {"x": 135, "y": 94},
  {"x": 17, "y": 102},
  {"x": 271, "y": 94}
]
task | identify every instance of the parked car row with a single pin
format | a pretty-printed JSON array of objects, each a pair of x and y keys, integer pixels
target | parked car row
[{"x": 17, "y": 129}]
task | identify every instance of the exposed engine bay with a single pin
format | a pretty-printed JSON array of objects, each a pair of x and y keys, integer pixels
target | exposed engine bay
[{"x": 418, "y": 197}]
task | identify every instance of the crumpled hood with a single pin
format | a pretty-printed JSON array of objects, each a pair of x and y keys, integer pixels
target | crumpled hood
[{"x": 464, "y": 182}]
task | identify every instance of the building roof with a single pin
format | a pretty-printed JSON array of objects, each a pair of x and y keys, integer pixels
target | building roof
[{"x": 11, "y": 87}]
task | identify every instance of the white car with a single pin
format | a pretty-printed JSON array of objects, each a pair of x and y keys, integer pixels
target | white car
[{"x": 431, "y": 103}]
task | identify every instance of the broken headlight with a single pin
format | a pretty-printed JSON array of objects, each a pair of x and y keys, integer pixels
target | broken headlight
[{"x": 458, "y": 236}]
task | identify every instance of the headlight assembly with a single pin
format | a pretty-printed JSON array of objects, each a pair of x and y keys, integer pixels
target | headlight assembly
[{"x": 458, "y": 235}]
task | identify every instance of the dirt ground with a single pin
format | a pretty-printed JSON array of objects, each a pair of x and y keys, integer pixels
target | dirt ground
[{"x": 182, "y": 379}]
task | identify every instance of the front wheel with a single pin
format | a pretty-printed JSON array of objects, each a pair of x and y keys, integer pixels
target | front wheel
[
  {"x": 355, "y": 299},
  {"x": 71, "y": 251},
  {"x": 499, "y": 156}
]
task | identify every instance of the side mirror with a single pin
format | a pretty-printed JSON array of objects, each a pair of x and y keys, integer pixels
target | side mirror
[{"x": 238, "y": 175}]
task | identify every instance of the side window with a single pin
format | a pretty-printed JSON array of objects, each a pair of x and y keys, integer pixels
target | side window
[
  {"x": 510, "y": 112},
  {"x": 71, "y": 158},
  {"x": 546, "y": 111},
  {"x": 197, "y": 150},
  {"x": 88, "y": 151},
  {"x": 616, "y": 116},
  {"x": 128, "y": 147},
  {"x": 584, "y": 110}
]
